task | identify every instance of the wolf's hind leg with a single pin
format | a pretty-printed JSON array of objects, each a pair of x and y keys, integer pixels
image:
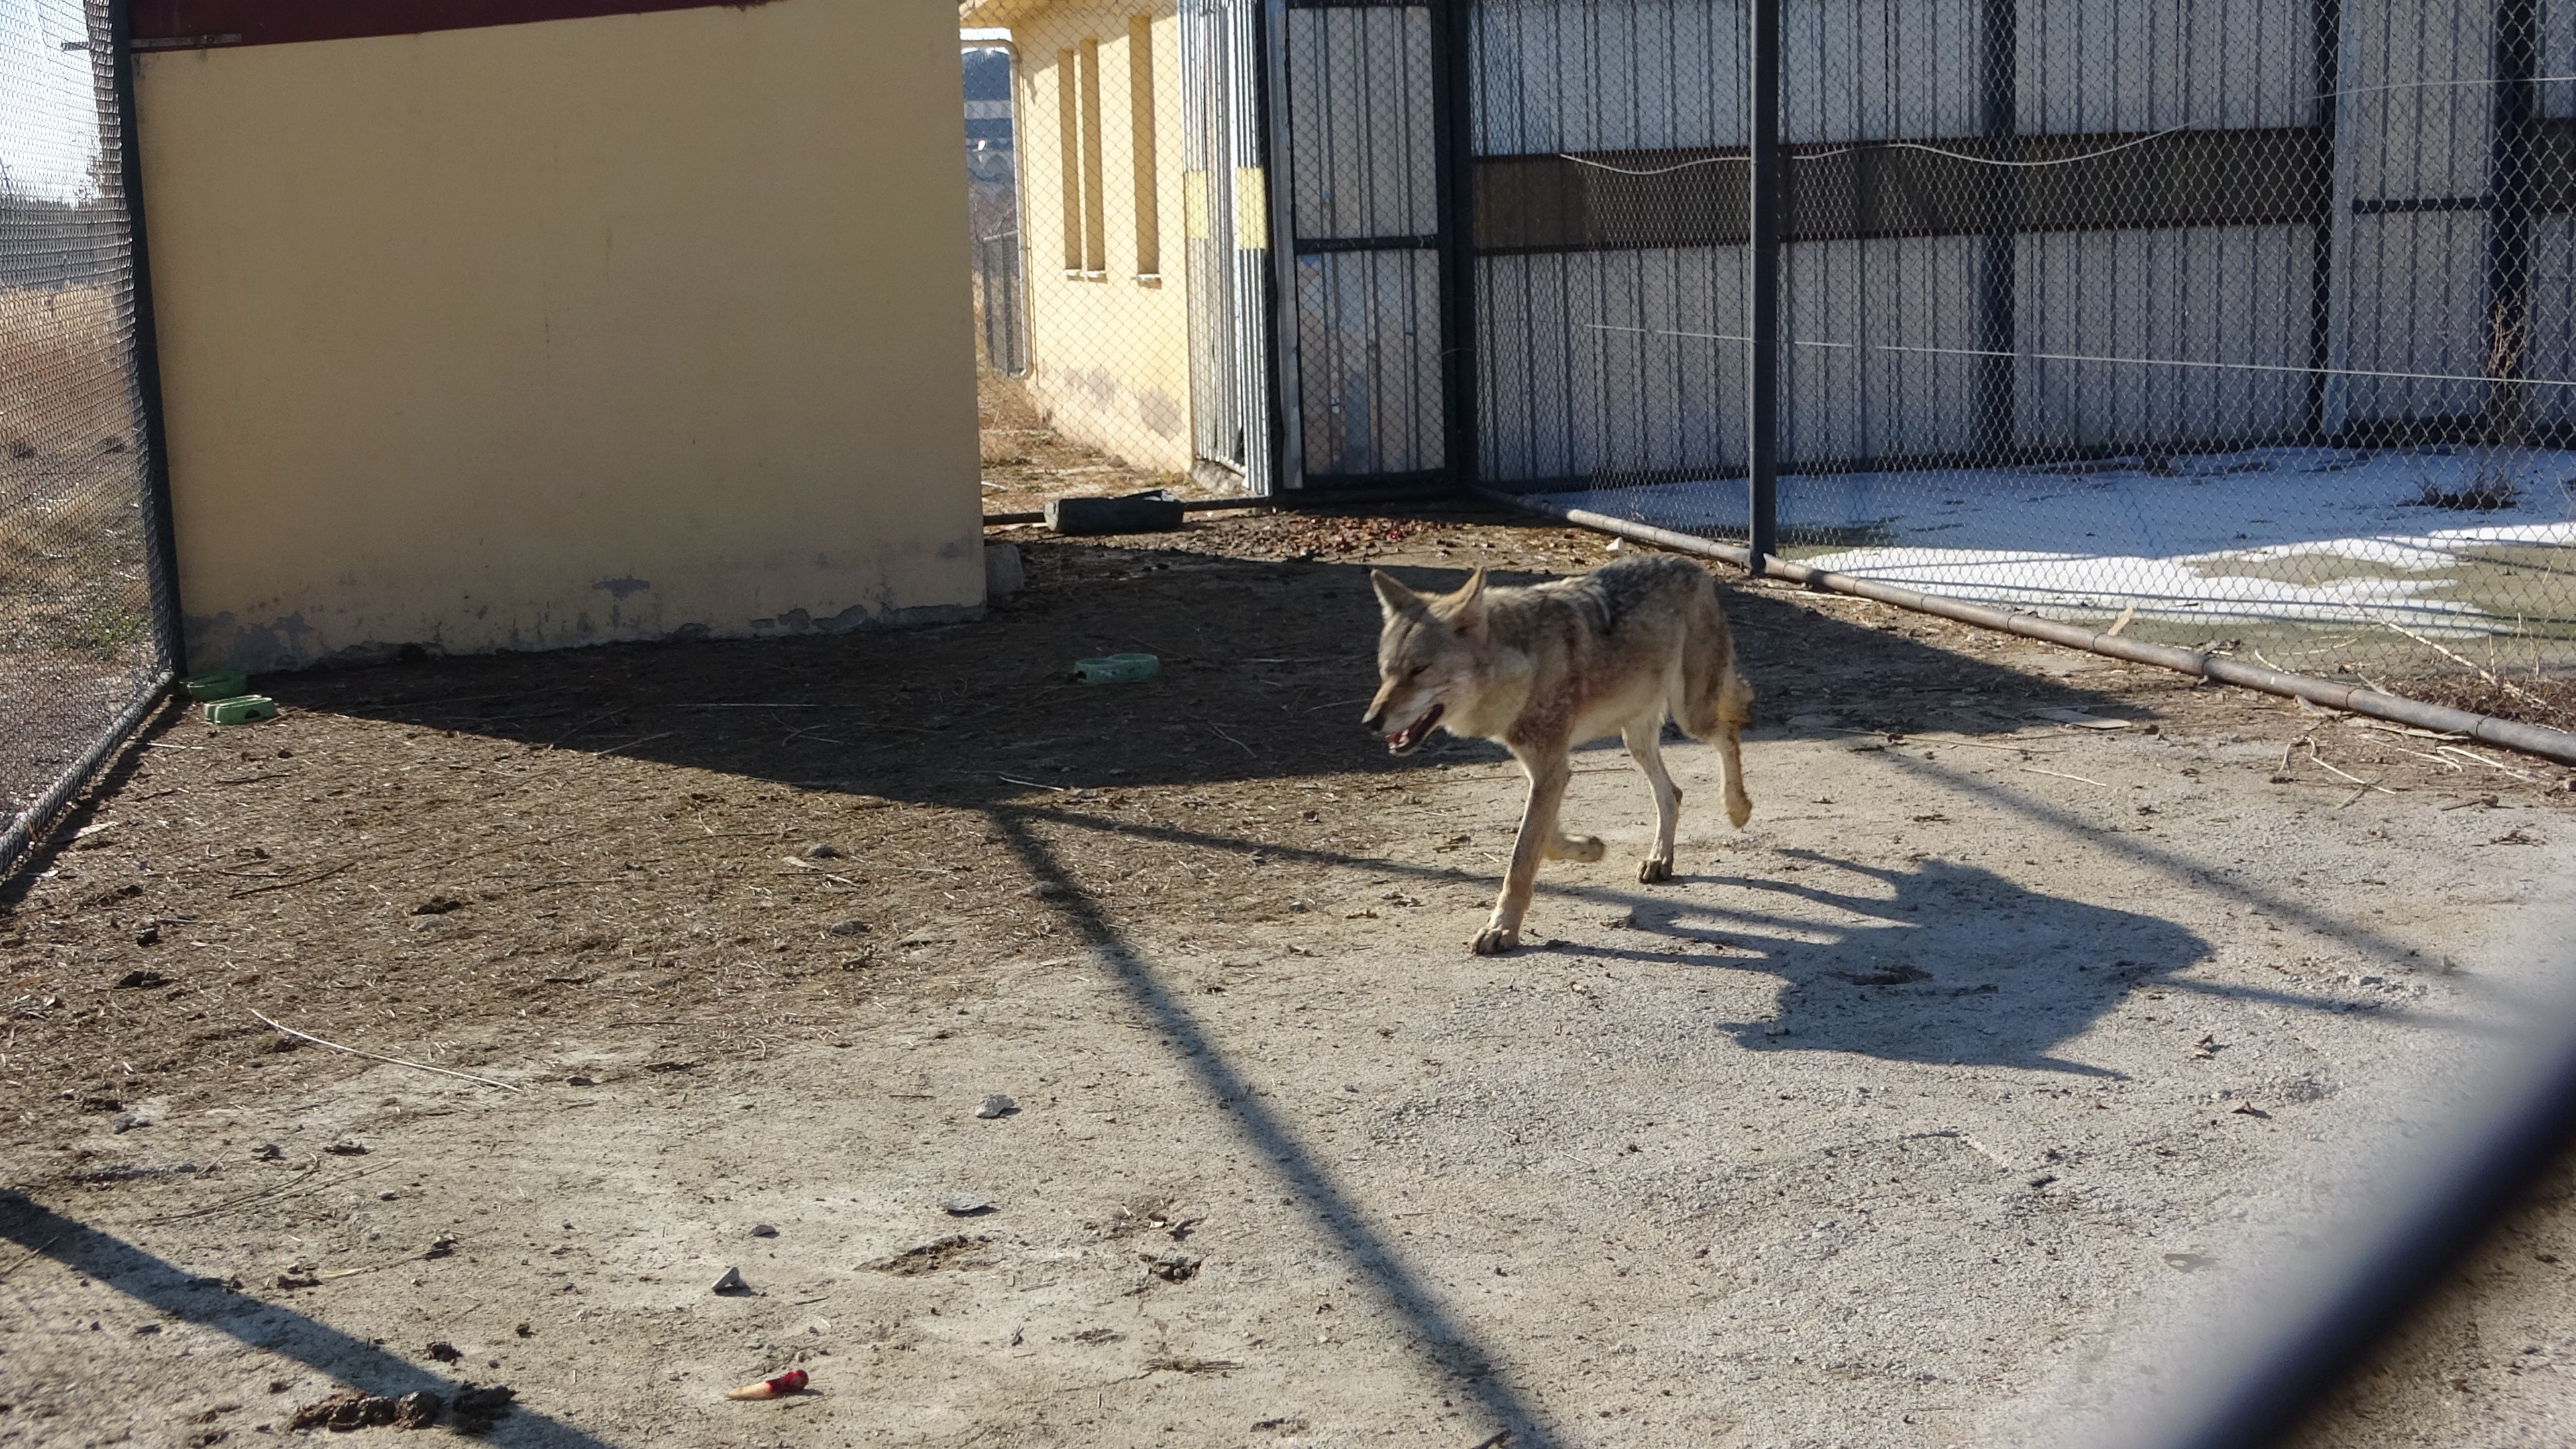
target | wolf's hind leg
[{"x": 1644, "y": 741}]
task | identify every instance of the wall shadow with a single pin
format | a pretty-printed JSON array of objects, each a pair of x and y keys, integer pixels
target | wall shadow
[{"x": 1266, "y": 669}]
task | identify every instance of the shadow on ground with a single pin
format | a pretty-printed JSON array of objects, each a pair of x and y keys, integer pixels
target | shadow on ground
[
  {"x": 1266, "y": 667},
  {"x": 157, "y": 1283},
  {"x": 1942, "y": 962}
]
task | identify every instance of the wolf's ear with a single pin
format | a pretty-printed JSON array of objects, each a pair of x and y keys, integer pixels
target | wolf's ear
[
  {"x": 1392, "y": 595},
  {"x": 1466, "y": 607}
]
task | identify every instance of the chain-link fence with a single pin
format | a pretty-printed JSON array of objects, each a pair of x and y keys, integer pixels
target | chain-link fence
[
  {"x": 2247, "y": 322},
  {"x": 1111, "y": 294},
  {"x": 87, "y": 628}
]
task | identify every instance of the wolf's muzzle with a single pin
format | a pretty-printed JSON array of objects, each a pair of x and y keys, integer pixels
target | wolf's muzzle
[{"x": 1405, "y": 741}]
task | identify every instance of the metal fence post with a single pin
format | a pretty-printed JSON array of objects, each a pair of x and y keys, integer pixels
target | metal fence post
[
  {"x": 1453, "y": 129},
  {"x": 2505, "y": 417},
  {"x": 1762, "y": 285},
  {"x": 2326, "y": 23},
  {"x": 1271, "y": 101},
  {"x": 1999, "y": 102},
  {"x": 160, "y": 543}
]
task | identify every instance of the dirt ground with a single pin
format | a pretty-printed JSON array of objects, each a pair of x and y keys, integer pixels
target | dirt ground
[
  {"x": 1026, "y": 461},
  {"x": 2030, "y": 974}
]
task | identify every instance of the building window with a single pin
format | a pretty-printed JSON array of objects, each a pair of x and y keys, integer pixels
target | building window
[
  {"x": 1095, "y": 225},
  {"x": 1140, "y": 120},
  {"x": 1068, "y": 148}
]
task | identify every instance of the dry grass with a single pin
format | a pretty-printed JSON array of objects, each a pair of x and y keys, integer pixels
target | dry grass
[
  {"x": 64, "y": 354},
  {"x": 2530, "y": 699},
  {"x": 75, "y": 610}
]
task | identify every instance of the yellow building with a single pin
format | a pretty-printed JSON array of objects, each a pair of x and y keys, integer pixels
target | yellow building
[
  {"x": 595, "y": 320},
  {"x": 1099, "y": 132}
]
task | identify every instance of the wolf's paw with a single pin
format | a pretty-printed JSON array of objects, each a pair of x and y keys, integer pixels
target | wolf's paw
[
  {"x": 1576, "y": 847},
  {"x": 1654, "y": 870},
  {"x": 1739, "y": 808},
  {"x": 1495, "y": 940}
]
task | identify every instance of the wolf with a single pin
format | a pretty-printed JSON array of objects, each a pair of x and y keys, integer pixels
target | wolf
[{"x": 1541, "y": 670}]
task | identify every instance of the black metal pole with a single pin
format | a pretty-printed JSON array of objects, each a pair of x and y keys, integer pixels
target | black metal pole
[
  {"x": 1762, "y": 286},
  {"x": 1999, "y": 104},
  {"x": 2366, "y": 1288},
  {"x": 2326, "y": 19},
  {"x": 2507, "y": 414},
  {"x": 1454, "y": 181},
  {"x": 1271, "y": 100},
  {"x": 160, "y": 543}
]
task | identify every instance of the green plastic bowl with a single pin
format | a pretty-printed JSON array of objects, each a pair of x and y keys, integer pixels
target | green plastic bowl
[
  {"x": 1117, "y": 668},
  {"x": 242, "y": 709},
  {"x": 217, "y": 684}
]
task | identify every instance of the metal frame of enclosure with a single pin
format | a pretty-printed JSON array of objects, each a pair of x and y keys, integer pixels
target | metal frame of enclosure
[
  {"x": 89, "y": 600},
  {"x": 2272, "y": 301}
]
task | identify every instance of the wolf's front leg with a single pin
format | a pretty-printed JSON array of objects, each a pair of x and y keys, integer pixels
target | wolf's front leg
[{"x": 1548, "y": 774}]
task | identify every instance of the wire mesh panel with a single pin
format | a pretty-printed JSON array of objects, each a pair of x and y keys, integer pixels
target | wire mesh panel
[
  {"x": 1610, "y": 222},
  {"x": 1362, "y": 210},
  {"x": 87, "y": 628},
  {"x": 1122, "y": 298},
  {"x": 2249, "y": 322},
  {"x": 993, "y": 212}
]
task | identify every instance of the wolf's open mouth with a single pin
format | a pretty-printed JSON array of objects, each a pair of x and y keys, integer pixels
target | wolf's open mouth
[{"x": 1403, "y": 741}]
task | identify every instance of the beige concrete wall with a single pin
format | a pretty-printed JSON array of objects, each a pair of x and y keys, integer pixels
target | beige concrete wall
[
  {"x": 553, "y": 334},
  {"x": 1108, "y": 353}
]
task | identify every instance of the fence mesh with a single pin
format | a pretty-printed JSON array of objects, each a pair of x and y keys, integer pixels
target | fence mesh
[
  {"x": 80, "y": 597},
  {"x": 1102, "y": 256},
  {"x": 2248, "y": 322}
]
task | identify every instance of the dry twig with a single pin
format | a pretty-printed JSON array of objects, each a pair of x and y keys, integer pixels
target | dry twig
[
  {"x": 22, "y": 1259},
  {"x": 630, "y": 744},
  {"x": 380, "y": 1057},
  {"x": 818, "y": 870},
  {"x": 299, "y": 881},
  {"x": 2483, "y": 760},
  {"x": 2526, "y": 696},
  {"x": 2061, "y": 774},
  {"x": 254, "y": 1195}
]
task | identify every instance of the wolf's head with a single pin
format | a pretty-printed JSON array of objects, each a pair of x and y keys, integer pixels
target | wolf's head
[{"x": 1430, "y": 657}]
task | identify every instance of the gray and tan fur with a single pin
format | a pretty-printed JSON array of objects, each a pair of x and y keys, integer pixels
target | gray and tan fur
[{"x": 1541, "y": 670}]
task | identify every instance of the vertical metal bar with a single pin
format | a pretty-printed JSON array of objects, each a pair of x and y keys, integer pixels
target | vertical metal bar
[
  {"x": 1762, "y": 285},
  {"x": 2327, "y": 28},
  {"x": 1453, "y": 181},
  {"x": 2506, "y": 416},
  {"x": 160, "y": 540},
  {"x": 1999, "y": 105},
  {"x": 1271, "y": 99}
]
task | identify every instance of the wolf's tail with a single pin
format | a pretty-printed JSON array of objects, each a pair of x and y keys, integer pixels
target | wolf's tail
[
  {"x": 1714, "y": 698},
  {"x": 1716, "y": 704}
]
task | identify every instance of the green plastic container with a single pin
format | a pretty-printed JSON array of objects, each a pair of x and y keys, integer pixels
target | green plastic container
[
  {"x": 242, "y": 709},
  {"x": 217, "y": 684},
  {"x": 1117, "y": 668}
]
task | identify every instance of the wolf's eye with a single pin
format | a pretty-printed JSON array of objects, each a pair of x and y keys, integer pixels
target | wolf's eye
[{"x": 1415, "y": 673}]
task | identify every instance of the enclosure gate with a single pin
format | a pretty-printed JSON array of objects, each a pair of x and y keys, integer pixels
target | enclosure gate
[
  {"x": 89, "y": 624},
  {"x": 1225, "y": 220},
  {"x": 2256, "y": 317},
  {"x": 993, "y": 210}
]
